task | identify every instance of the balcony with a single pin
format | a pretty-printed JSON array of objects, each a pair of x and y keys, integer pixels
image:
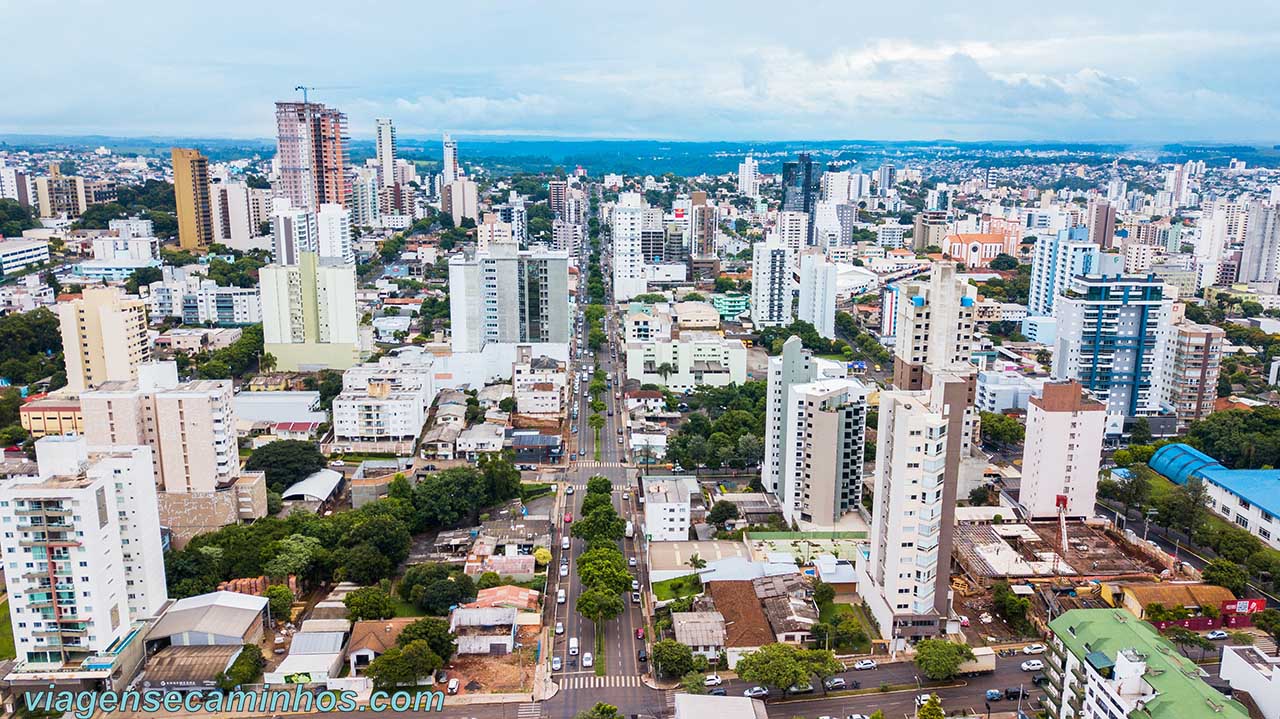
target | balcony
[
  {"x": 1077, "y": 671},
  {"x": 926, "y": 560}
]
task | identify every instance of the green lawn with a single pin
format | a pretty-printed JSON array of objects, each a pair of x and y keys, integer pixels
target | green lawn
[
  {"x": 7, "y": 648},
  {"x": 832, "y": 614},
  {"x": 685, "y": 586},
  {"x": 405, "y": 609}
]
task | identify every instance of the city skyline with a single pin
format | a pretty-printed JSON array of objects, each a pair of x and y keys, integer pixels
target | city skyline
[{"x": 1100, "y": 73}]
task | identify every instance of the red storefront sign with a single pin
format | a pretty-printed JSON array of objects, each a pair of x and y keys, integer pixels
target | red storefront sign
[{"x": 1244, "y": 606}]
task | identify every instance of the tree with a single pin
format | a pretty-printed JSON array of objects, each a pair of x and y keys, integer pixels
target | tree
[
  {"x": 382, "y": 532},
  {"x": 399, "y": 667},
  {"x": 939, "y": 659},
  {"x": 279, "y": 602},
  {"x": 1226, "y": 573},
  {"x": 604, "y": 567},
  {"x": 600, "y": 711},
  {"x": 1140, "y": 431},
  {"x": 501, "y": 478},
  {"x": 141, "y": 277},
  {"x": 696, "y": 562},
  {"x": 447, "y": 498},
  {"x": 980, "y": 496},
  {"x": 694, "y": 683},
  {"x": 435, "y": 632},
  {"x": 246, "y": 669},
  {"x": 1187, "y": 639},
  {"x": 507, "y": 404},
  {"x": 599, "y": 604},
  {"x": 542, "y": 556},
  {"x": 1184, "y": 508},
  {"x": 1011, "y": 607},
  {"x": 1268, "y": 620},
  {"x": 286, "y": 461},
  {"x": 602, "y": 524},
  {"x": 722, "y": 512},
  {"x": 596, "y": 423},
  {"x": 599, "y": 484},
  {"x": 773, "y": 665},
  {"x": 823, "y": 592},
  {"x": 1004, "y": 262},
  {"x": 932, "y": 709},
  {"x": 671, "y": 658},
  {"x": 364, "y": 564},
  {"x": 369, "y": 603},
  {"x": 1001, "y": 428}
]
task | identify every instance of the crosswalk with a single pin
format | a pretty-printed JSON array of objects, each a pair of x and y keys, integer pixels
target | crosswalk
[
  {"x": 594, "y": 682},
  {"x": 593, "y": 464},
  {"x": 529, "y": 711},
  {"x": 669, "y": 698}
]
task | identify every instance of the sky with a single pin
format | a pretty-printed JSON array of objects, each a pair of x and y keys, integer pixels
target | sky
[{"x": 691, "y": 70}]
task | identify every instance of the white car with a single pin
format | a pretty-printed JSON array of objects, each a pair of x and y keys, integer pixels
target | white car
[
  {"x": 587, "y": 660},
  {"x": 864, "y": 664},
  {"x": 564, "y": 570},
  {"x": 626, "y": 496},
  {"x": 1033, "y": 649},
  {"x": 569, "y": 489},
  {"x": 1032, "y": 665},
  {"x": 635, "y": 585},
  {"x": 555, "y": 664},
  {"x": 712, "y": 680},
  {"x": 559, "y": 627},
  {"x": 756, "y": 693},
  {"x": 631, "y": 561},
  {"x": 1216, "y": 635}
]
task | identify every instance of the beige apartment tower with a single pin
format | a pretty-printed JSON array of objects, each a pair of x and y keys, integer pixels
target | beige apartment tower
[
  {"x": 104, "y": 337},
  {"x": 191, "y": 193}
]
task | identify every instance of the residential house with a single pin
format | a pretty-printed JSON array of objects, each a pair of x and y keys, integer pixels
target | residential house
[{"x": 490, "y": 630}]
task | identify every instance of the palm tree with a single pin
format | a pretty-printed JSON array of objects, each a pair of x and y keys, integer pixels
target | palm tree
[
  {"x": 696, "y": 562},
  {"x": 266, "y": 362},
  {"x": 665, "y": 370}
]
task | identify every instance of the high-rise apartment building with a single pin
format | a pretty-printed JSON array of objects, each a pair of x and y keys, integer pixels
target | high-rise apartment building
[
  {"x": 626, "y": 225},
  {"x": 822, "y": 468},
  {"x": 771, "y": 263},
  {"x": 1260, "y": 261},
  {"x": 792, "y": 228},
  {"x": 702, "y": 226},
  {"x": 795, "y": 365},
  {"x": 1057, "y": 259},
  {"x": 191, "y": 194},
  {"x": 920, "y": 443},
  {"x": 293, "y": 231},
  {"x": 385, "y": 151},
  {"x": 82, "y": 555},
  {"x": 837, "y": 186},
  {"x": 514, "y": 214},
  {"x": 492, "y": 231},
  {"x": 189, "y": 426},
  {"x": 818, "y": 294},
  {"x": 237, "y": 213},
  {"x": 1193, "y": 361},
  {"x": 17, "y": 185},
  {"x": 1112, "y": 335},
  {"x": 508, "y": 295},
  {"x": 934, "y": 325},
  {"x": 365, "y": 200},
  {"x": 1101, "y": 223},
  {"x": 460, "y": 199},
  {"x": 557, "y": 194},
  {"x": 61, "y": 195},
  {"x": 449, "y": 162},
  {"x": 1062, "y": 452},
  {"x": 311, "y": 145},
  {"x": 749, "y": 177},
  {"x": 309, "y": 315},
  {"x": 333, "y": 234},
  {"x": 104, "y": 337},
  {"x": 886, "y": 178}
]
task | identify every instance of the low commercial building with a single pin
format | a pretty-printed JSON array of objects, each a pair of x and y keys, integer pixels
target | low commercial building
[
  {"x": 18, "y": 255},
  {"x": 692, "y": 359},
  {"x": 701, "y": 706},
  {"x": 314, "y": 657},
  {"x": 51, "y": 415},
  {"x": 484, "y": 631},
  {"x": 1005, "y": 389},
  {"x": 1253, "y": 671},
  {"x": 703, "y": 632},
  {"x": 1248, "y": 497},
  {"x": 1106, "y": 663},
  {"x": 215, "y": 618}
]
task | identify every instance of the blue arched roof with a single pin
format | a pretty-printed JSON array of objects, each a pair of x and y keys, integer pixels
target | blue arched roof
[{"x": 1179, "y": 462}]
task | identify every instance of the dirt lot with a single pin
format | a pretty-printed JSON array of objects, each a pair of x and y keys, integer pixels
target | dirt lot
[{"x": 496, "y": 675}]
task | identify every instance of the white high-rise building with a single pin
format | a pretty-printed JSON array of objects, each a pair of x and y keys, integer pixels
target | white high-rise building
[
  {"x": 492, "y": 231},
  {"x": 238, "y": 213},
  {"x": 792, "y": 228},
  {"x": 822, "y": 468},
  {"x": 189, "y": 426},
  {"x": 366, "y": 210},
  {"x": 793, "y": 366},
  {"x": 818, "y": 294},
  {"x": 920, "y": 443},
  {"x": 449, "y": 165},
  {"x": 749, "y": 177},
  {"x": 508, "y": 295},
  {"x": 333, "y": 234},
  {"x": 1260, "y": 261},
  {"x": 828, "y": 230},
  {"x": 1057, "y": 259},
  {"x": 460, "y": 198},
  {"x": 81, "y": 551},
  {"x": 771, "y": 263},
  {"x": 1062, "y": 452},
  {"x": 385, "y": 145},
  {"x": 934, "y": 325},
  {"x": 837, "y": 187},
  {"x": 309, "y": 314},
  {"x": 293, "y": 231},
  {"x": 626, "y": 225}
]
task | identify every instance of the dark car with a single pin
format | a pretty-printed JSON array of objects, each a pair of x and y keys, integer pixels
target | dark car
[
  {"x": 1040, "y": 680},
  {"x": 717, "y": 692},
  {"x": 642, "y": 656},
  {"x": 1016, "y": 693}
]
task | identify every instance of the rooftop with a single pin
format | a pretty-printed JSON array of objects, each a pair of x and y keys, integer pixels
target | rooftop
[
  {"x": 744, "y": 620},
  {"x": 1097, "y": 634},
  {"x": 699, "y": 628},
  {"x": 226, "y": 613},
  {"x": 377, "y": 635},
  {"x": 1180, "y": 462}
]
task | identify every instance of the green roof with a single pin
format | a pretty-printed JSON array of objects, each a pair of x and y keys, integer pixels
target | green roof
[{"x": 1094, "y": 634}]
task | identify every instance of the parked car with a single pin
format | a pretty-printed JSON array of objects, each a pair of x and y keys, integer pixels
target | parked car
[
  {"x": 801, "y": 688},
  {"x": 835, "y": 683},
  {"x": 857, "y": 716},
  {"x": 635, "y": 597},
  {"x": 631, "y": 561},
  {"x": 1033, "y": 649},
  {"x": 756, "y": 693},
  {"x": 718, "y": 692},
  {"x": 555, "y": 664},
  {"x": 559, "y": 627},
  {"x": 1216, "y": 635},
  {"x": 635, "y": 585},
  {"x": 1032, "y": 665},
  {"x": 587, "y": 660},
  {"x": 864, "y": 664},
  {"x": 1016, "y": 693},
  {"x": 712, "y": 680},
  {"x": 639, "y": 632},
  {"x": 1040, "y": 680},
  {"x": 994, "y": 695},
  {"x": 564, "y": 570},
  {"x": 568, "y": 517},
  {"x": 642, "y": 656}
]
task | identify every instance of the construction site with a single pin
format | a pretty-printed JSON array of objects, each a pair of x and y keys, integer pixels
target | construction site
[{"x": 1045, "y": 552}]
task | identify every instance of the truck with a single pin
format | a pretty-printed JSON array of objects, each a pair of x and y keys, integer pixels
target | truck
[
  {"x": 983, "y": 662},
  {"x": 631, "y": 530}
]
